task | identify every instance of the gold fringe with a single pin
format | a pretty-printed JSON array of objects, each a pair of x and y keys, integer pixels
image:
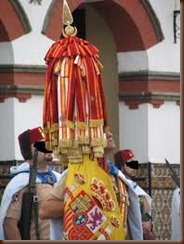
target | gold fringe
[
  {"x": 98, "y": 155},
  {"x": 55, "y": 142},
  {"x": 46, "y": 130},
  {"x": 96, "y": 122},
  {"x": 86, "y": 149},
  {"x": 81, "y": 125},
  {"x": 97, "y": 142},
  {"x": 83, "y": 140},
  {"x": 70, "y": 149},
  {"x": 75, "y": 158},
  {"x": 54, "y": 127},
  {"x": 69, "y": 124},
  {"x": 63, "y": 159},
  {"x": 105, "y": 143},
  {"x": 50, "y": 126},
  {"x": 66, "y": 143},
  {"x": 48, "y": 145},
  {"x": 99, "y": 149},
  {"x": 75, "y": 143},
  {"x": 74, "y": 152}
]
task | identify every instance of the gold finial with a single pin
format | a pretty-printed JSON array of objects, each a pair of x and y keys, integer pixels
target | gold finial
[
  {"x": 68, "y": 20},
  {"x": 67, "y": 16}
]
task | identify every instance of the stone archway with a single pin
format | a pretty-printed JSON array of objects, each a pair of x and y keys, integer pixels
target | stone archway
[
  {"x": 133, "y": 23},
  {"x": 15, "y": 17}
]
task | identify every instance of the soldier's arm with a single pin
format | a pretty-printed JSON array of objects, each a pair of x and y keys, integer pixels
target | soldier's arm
[
  {"x": 11, "y": 229},
  {"x": 52, "y": 207},
  {"x": 12, "y": 218},
  {"x": 147, "y": 230}
]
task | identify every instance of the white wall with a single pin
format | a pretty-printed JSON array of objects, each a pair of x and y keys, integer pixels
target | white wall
[
  {"x": 7, "y": 149},
  {"x": 152, "y": 133},
  {"x": 17, "y": 117},
  {"x": 166, "y": 55},
  {"x": 133, "y": 128},
  {"x": 164, "y": 11},
  {"x": 36, "y": 13},
  {"x": 26, "y": 116},
  {"x": 164, "y": 133},
  {"x": 35, "y": 47}
]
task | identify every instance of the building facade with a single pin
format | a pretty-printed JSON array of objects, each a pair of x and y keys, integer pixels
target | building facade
[{"x": 139, "y": 48}]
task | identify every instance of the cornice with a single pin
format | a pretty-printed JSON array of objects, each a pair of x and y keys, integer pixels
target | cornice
[
  {"x": 6, "y": 68},
  {"x": 143, "y": 95},
  {"x": 133, "y": 100},
  {"x": 22, "y": 93},
  {"x": 151, "y": 75}
]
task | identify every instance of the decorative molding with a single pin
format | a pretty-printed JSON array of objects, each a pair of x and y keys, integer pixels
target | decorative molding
[
  {"x": 135, "y": 104},
  {"x": 28, "y": 75},
  {"x": 155, "y": 98},
  {"x": 22, "y": 97},
  {"x": 149, "y": 75},
  {"x": 22, "y": 93},
  {"x": 140, "y": 87},
  {"x": 9, "y": 68}
]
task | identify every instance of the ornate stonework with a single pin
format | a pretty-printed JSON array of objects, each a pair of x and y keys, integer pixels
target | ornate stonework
[{"x": 160, "y": 184}]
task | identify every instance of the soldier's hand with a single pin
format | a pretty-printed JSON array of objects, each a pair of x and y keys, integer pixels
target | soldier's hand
[{"x": 147, "y": 230}]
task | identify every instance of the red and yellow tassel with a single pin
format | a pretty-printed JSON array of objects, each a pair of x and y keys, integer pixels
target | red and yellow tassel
[{"x": 74, "y": 118}]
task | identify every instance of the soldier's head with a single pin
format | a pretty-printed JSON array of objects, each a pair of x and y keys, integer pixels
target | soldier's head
[
  {"x": 34, "y": 138},
  {"x": 126, "y": 162}
]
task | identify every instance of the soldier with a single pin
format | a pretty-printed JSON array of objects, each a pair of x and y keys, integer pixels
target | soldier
[
  {"x": 12, "y": 221},
  {"x": 175, "y": 215},
  {"x": 126, "y": 162}
]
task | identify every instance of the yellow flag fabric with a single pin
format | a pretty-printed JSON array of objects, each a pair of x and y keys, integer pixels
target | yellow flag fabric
[{"x": 91, "y": 210}]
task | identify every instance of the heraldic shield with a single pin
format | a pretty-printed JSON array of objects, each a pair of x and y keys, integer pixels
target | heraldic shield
[{"x": 91, "y": 208}]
